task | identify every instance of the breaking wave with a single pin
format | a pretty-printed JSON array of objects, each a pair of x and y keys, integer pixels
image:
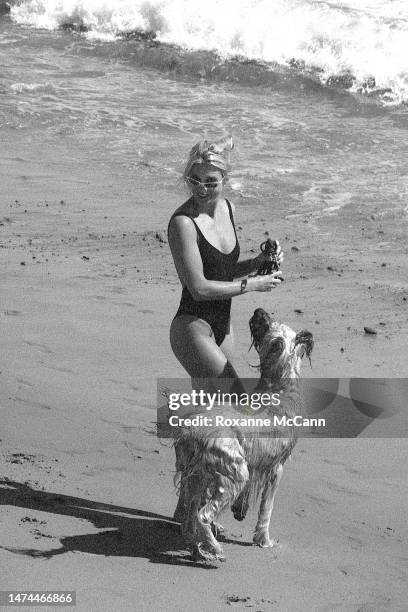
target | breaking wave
[{"x": 357, "y": 45}]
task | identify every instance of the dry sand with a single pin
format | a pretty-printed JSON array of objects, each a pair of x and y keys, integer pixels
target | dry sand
[{"x": 88, "y": 293}]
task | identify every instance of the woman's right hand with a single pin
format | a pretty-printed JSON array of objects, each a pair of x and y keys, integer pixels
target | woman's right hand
[{"x": 265, "y": 282}]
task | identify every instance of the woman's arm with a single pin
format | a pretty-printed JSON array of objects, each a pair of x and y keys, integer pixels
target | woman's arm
[
  {"x": 248, "y": 266},
  {"x": 189, "y": 266}
]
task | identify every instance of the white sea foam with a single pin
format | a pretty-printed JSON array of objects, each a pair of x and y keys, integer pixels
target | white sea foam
[
  {"x": 367, "y": 39},
  {"x": 32, "y": 88}
]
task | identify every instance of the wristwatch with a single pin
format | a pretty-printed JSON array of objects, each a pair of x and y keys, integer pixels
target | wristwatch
[{"x": 244, "y": 283}]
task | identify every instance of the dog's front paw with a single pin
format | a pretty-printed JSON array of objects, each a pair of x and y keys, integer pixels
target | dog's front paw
[
  {"x": 208, "y": 553},
  {"x": 262, "y": 539}
]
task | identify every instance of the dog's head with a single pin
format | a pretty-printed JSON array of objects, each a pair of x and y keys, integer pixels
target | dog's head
[{"x": 280, "y": 349}]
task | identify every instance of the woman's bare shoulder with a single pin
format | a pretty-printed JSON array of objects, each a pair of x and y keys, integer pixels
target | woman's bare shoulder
[
  {"x": 181, "y": 220},
  {"x": 182, "y": 215}
]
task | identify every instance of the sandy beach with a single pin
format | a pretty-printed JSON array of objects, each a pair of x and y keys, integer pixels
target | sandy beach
[
  {"x": 87, "y": 491},
  {"x": 97, "y": 114}
]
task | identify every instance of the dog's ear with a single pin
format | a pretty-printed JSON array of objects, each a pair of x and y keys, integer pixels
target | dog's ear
[{"x": 304, "y": 339}]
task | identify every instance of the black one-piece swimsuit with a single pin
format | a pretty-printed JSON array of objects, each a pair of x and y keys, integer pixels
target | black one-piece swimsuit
[{"x": 217, "y": 266}]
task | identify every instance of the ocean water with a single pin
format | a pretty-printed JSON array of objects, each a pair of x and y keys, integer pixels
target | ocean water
[
  {"x": 359, "y": 44},
  {"x": 314, "y": 93}
]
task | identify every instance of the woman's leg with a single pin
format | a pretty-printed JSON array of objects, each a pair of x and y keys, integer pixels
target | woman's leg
[
  {"x": 193, "y": 343},
  {"x": 227, "y": 345},
  {"x": 210, "y": 368}
]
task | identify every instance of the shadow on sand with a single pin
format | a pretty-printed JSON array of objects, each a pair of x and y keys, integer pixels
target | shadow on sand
[{"x": 129, "y": 532}]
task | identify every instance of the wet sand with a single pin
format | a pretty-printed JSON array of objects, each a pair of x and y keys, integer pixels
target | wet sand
[{"x": 88, "y": 293}]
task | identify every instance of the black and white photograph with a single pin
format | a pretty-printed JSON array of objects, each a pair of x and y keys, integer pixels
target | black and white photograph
[{"x": 203, "y": 305}]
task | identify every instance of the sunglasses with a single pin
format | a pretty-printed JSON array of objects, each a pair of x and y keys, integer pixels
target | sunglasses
[{"x": 194, "y": 183}]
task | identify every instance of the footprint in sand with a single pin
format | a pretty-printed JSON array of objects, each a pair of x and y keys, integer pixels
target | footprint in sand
[
  {"x": 131, "y": 402},
  {"x": 320, "y": 501},
  {"x": 21, "y": 381},
  {"x": 343, "y": 489},
  {"x": 43, "y": 347},
  {"x": 119, "y": 290},
  {"x": 355, "y": 472},
  {"x": 355, "y": 543},
  {"x": 32, "y": 404},
  {"x": 129, "y": 429}
]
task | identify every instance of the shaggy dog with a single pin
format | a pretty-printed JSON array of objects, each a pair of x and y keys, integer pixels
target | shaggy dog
[{"x": 229, "y": 465}]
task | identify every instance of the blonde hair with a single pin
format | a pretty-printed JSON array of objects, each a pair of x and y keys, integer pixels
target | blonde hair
[{"x": 216, "y": 154}]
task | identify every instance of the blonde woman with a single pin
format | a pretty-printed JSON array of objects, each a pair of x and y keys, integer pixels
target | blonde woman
[{"x": 205, "y": 250}]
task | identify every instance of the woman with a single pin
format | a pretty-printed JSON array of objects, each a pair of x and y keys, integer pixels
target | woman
[{"x": 205, "y": 250}]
